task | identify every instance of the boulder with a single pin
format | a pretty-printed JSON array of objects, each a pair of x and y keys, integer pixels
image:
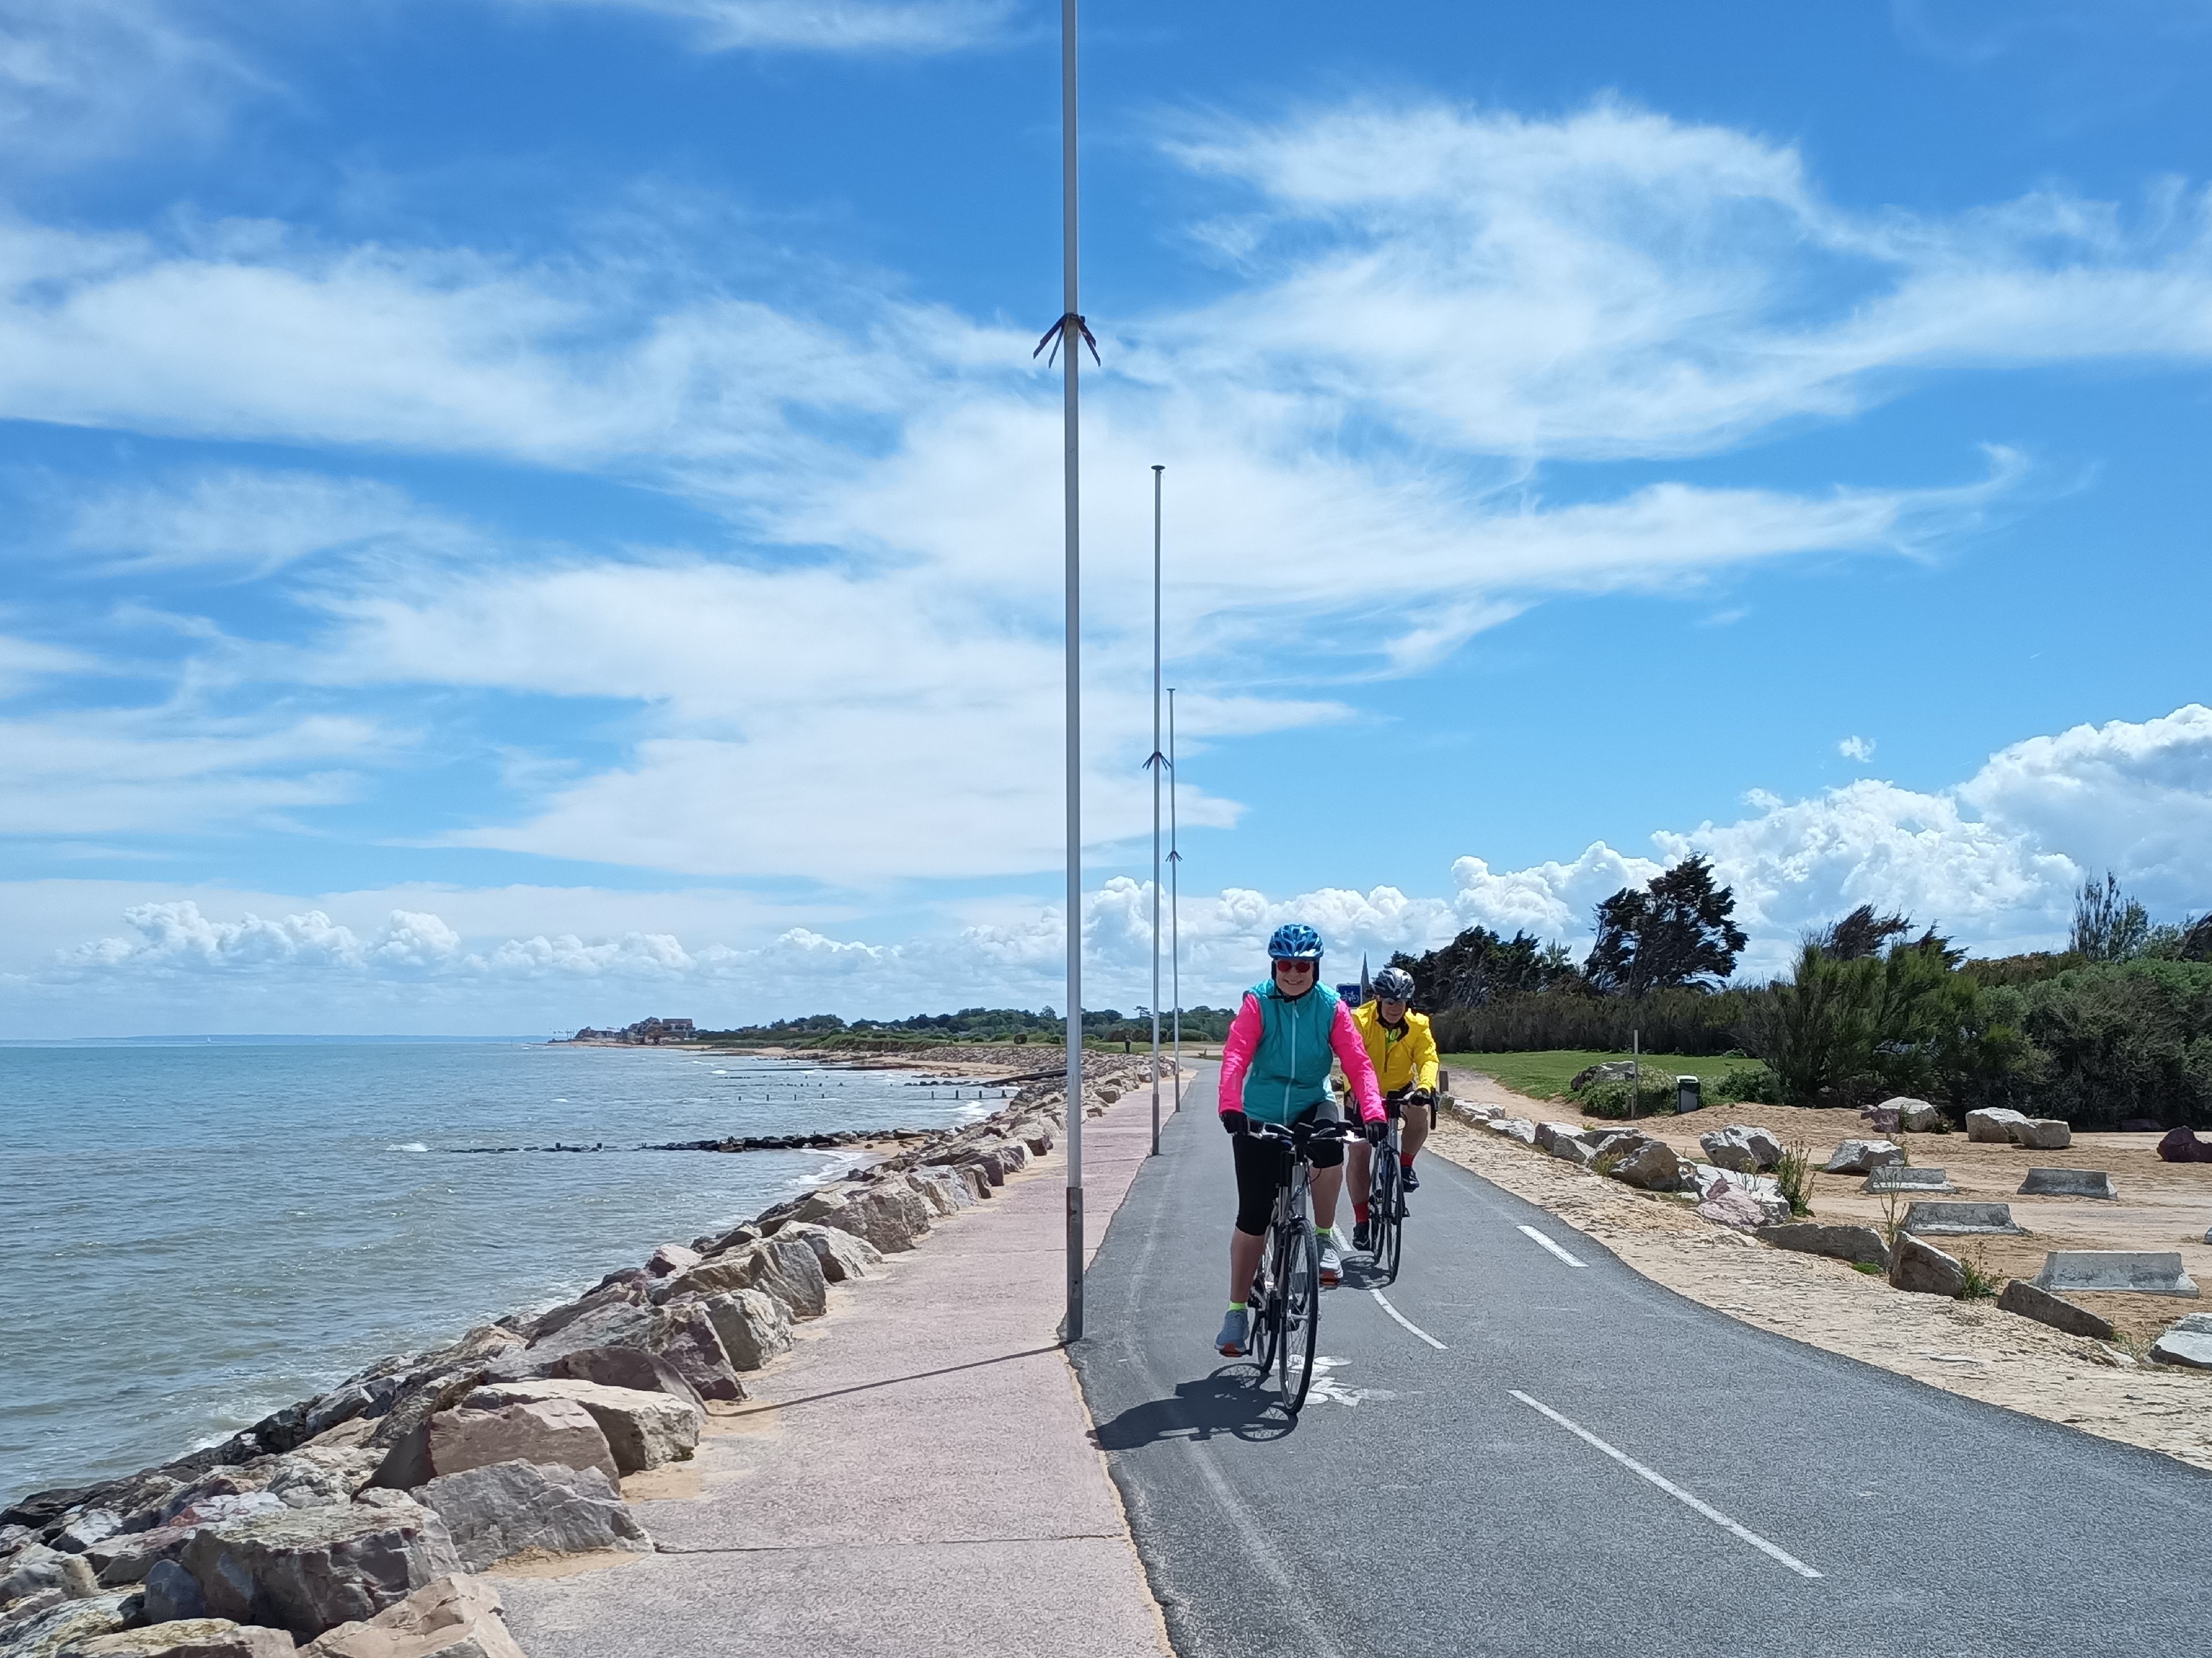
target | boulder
[
  {"x": 511, "y": 1507},
  {"x": 31, "y": 1569},
  {"x": 1639, "y": 1160},
  {"x": 1549, "y": 1134},
  {"x": 1569, "y": 1149},
  {"x": 2179, "y": 1145},
  {"x": 1917, "y": 1116},
  {"x": 1743, "y": 1150},
  {"x": 84, "y": 1529},
  {"x": 977, "y": 1182},
  {"x": 453, "y": 1618},
  {"x": 752, "y": 1326},
  {"x": 556, "y": 1430},
  {"x": 2043, "y": 1134},
  {"x": 173, "y": 1594},
  {"x": 1992, "y": 1126},
  {"x": 786, "y": 1268},
  {"x": 308, "y": 1569},
  {"x": 943, "y": 1191},
  {"x": 1883, "y": 1119},
  {"x": 891, "y": 1217},
  {"x": 191, "y": 1637},
  {"x": 53, "y": 1629},
  {"x": 841, "y": 1255},
  {"x": 1923, "y": 1269},
  {"x": 1604, "y": 1071},
  {"x": 671, "y": 1259},
  {"x": 2024, "y": 1298},
  {"x": 1858, "y": 1156},
  {"x": 2186, "y": 1342},
  {"x": 1853, "y": 1244},
  {"x": 643, "y": 1430},
  {"x": 1515, "y": 1128},
  {"x": 686, "y": 1337},
  {"x": 1731, "y": 1205},
  {"x": 623, "y": 1367}
]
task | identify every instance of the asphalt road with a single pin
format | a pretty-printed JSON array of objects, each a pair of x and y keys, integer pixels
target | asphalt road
[{"x": 1439, "y": 1499}]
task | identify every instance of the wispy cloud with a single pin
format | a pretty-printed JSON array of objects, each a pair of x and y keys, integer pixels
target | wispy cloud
[
  {"x": 1860, "y": 749},
  {"x": 830, "y": 26}
]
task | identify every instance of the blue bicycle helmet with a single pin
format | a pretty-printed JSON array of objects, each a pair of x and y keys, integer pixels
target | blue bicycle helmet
[
  {"x": 1294, "y": 941},
  {"x": 1394, "y": 984}
]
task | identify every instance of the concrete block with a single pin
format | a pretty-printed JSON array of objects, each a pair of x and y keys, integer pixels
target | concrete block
[
  {"x": 2186, "y": 1342},
  {"x": 1959, "y": 1219},
  {"x": 1905, "y": 1178},
  {"x": 2138, "y": 1272},
  {"x": 2068, "y": 1183},
  {"x": 2024, "y": 1298}
]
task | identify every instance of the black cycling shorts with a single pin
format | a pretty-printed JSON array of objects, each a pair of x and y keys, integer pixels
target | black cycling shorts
[{"x": 1263, "y": 1166}]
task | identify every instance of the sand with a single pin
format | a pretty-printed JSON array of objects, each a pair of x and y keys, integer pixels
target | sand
[{"x": 1964, "y": 1347}]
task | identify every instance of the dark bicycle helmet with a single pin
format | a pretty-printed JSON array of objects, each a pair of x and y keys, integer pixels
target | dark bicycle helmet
[
  {"x": 1394, "y": 984},
  {"x": 1294, "y": 941}
]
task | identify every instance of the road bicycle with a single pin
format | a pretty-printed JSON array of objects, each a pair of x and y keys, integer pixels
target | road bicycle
[
  {"x": 1285, "y": 1296},
  {"x": 1386, "y": 1193}
]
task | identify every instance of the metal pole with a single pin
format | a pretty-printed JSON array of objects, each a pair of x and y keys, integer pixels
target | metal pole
[
  {"x": 1071, "y": 348},
  {"x": 1174, "y": 903},
  {"x": 1157, "y": 762},
  {"x": 1635, "y": 1072}
]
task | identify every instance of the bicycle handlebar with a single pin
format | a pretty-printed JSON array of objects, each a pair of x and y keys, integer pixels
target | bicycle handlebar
[{"x": 1319, "y": 1131}]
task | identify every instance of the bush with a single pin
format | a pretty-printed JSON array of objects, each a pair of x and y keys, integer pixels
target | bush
[
  {"x": 2123, "y": 1041},
  {"x": 1746, "y": 1084},
  {"x": 1616, "y": 1099},
  {"x": 1687, "y": 1021}
]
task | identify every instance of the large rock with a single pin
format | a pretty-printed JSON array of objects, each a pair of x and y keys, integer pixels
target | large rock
[
  {"x": 1604, "y": 1071},
  {"x": 173, "y": 1594},
  {"x": 1993, "y": 1127},
  {"x": 2024, "y": 1298},
  {"x": 1549, "y": 1134},
  {"x": 453, "y": 1618},
  {"x": 2043, "y": 1134},
  {"x": 786, "y": 1268},
  {"x": 1915, "y": 1116},
  {"x": 671, "y": 1259},
  {"x": 308, "y": 1569},
  {"x": 194, "y": 1637},
  {"x": 557, "y": 1431},
  {"x": 512, "y": 1508},
  {"x": 2179, "y": 1145},
  {"x": 843, "y": 1256},
  {"x": 686, "y": 1337},
  {"x": 1923, "y": 1269},
  {"x": 1515, "y": 1128},
  {"x": 752, "y": 1326},
  {"x": 892, "y": 1217},
  {"x": 941, "y": 1189},
  {"x": 2186, "y": 1342},
  {"x": 1744, "y": 1150},
  {"x": 1859, "y": 1156},
  {"x": 1639, "y": 1160},
  {"x": 621, "y": 1367},
  {"x": 643, "y": 1430},
  {"x": 1731, "y": 1205},
  {"x": 1854, "y": 1243},
  {"x": 51, "y": 1630}
]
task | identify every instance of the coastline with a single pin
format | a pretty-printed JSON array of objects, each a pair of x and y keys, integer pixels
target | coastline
[{"x": 684, "y": 1328}]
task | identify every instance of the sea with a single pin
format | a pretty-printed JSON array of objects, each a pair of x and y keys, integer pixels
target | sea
[{"x": 194, "y": 1233}]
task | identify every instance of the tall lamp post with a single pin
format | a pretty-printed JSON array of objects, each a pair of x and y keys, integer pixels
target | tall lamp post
[
  {"x": 1156, "y": 764},
  {"x": 1174, "y": 903}
]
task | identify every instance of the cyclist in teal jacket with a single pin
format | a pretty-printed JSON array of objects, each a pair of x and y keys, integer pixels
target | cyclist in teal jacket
[{"x": 1275, "y": 1068}]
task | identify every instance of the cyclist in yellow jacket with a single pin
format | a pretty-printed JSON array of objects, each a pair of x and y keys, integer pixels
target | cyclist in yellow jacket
[{"x": 1405, "y": 1057}]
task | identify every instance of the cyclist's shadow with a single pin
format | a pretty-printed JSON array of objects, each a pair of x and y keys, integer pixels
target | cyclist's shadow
[{"x": 1225, "y": 1402}]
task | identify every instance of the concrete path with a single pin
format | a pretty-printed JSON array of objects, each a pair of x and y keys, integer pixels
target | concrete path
[
  {"x": 1522, "y": 1447},
  {"x": 917, "y": 1478}
]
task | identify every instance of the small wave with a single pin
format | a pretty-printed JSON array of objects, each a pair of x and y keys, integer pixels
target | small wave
[
  {"x": 412, "y": 1145},
  {"x": 560, "y": 1102}
]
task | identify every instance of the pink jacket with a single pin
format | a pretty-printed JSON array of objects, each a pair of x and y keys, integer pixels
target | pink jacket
[{"x": 1344, "y": 1040}]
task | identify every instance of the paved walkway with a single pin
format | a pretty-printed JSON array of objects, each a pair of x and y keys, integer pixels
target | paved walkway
[{"x": 917, "y": 1478}]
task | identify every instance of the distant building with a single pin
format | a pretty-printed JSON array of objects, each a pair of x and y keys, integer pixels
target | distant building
[{"x": 646, "y": 1033}]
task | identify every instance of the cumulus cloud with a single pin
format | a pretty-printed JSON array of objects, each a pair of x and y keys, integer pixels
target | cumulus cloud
[{"x": 2001, "y": 882}]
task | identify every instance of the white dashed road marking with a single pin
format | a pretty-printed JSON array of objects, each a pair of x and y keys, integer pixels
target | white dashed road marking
[
  {"x": 1669, "y": 1487},
  {"x": 1553, "y": 1247},
  {"x": 1408, "y": 1322}
]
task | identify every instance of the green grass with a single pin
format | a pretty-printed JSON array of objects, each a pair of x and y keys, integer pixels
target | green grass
[{"x": 1544, "y": 1076}]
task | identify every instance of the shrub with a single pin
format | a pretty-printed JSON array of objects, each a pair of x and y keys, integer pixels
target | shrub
[
  {"x": 1689, "y": 1021},
  {"x": 1750, "y": 1084},
  {"x": 1793, "y": 1176},
  {"x": 1616, "y": 1099},
  {"x": 2116, "y": 1041}
]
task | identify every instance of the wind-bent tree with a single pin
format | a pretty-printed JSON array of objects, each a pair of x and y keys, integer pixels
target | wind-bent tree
[{"x": 1678, "y": 930}]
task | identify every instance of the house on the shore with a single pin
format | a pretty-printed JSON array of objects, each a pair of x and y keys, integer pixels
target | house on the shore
[{"x": 645, "y": 1033}]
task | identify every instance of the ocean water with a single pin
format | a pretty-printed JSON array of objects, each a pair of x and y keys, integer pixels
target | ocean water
[{"x": 193, "y": 1234}]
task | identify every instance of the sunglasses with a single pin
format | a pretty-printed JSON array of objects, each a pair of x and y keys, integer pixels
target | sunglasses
[{"x": 1299, "y": 969}]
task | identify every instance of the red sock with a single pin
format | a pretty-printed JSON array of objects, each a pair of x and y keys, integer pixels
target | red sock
[
  {"x": 1360, "y": 1213},
  {"x": 1406, "y": 1160}
]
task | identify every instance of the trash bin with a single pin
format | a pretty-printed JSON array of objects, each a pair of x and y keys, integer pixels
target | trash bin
[{"x": 1689, "y": 1094}]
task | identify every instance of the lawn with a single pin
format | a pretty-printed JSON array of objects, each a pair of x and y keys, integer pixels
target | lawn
[{"x": 1545, "y": 1075}]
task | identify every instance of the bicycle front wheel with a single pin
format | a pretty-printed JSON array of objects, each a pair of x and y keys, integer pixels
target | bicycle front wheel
[
  {"x": 1299, "y": 1296},
  {"x": 1385, "y": 1213},
  {"x": 1267, "y": 1307}
]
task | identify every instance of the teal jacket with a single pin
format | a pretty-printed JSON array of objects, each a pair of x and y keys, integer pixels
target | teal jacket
[{"x": 1275, "y": 1062}]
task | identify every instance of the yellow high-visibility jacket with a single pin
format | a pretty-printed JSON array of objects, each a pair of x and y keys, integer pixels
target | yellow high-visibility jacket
[{"x": 1406, "y": 1062}]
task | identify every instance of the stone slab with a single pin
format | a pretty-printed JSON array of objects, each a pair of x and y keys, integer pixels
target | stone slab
[
  {"x": 1853, "y": 1244},
  {"x": 1959, "y": 1219},
  {"x": 2137, "y": 1271},
  {"x": 2024, "y": 1298},
  {"x": 1907, "y": 1177},
  {"x": 2186, "y": 1342},
  {"x": 2068, "y": 1183}
]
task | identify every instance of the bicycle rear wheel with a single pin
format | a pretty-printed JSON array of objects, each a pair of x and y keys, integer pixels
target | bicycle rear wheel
[{"x": 1299, "y": 1296}]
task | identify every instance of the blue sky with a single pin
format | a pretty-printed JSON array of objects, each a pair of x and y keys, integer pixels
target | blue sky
[{"x": 527, "y": 511}]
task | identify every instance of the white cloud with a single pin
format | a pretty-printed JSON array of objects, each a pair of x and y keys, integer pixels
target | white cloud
[
  {"x": 82, "y": 80},
  {"x": 1860, "y": 749},
  {"x": 258, "y": 521},
  {"x": 832, "y": 25}
]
